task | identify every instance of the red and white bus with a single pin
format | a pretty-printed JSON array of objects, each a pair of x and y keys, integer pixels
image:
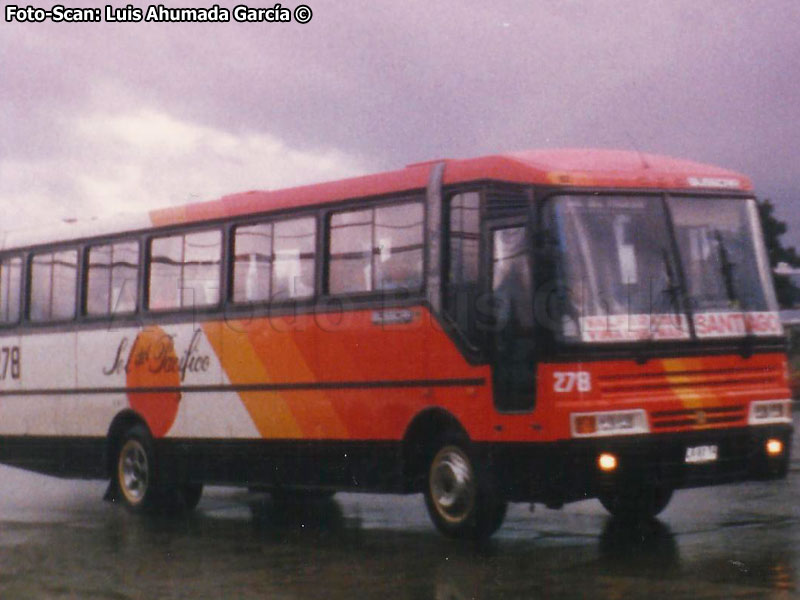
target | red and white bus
[{"x": 541, "y": 326}]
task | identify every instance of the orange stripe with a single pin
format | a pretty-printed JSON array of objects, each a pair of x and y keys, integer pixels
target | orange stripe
[
  {"x": 168, "y": 216},
  {"x": 691, "y": 400},
  {"x": 269, "y": 412},
  {"x": 282, "y": 358}
]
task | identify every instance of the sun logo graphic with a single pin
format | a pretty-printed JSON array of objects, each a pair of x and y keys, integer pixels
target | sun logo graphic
[{"x": 154, "y": 379}]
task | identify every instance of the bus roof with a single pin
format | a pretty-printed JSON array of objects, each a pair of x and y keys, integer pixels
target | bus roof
[{"x": 562, "y": 167}]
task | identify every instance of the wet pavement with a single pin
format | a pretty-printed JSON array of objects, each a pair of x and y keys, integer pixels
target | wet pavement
[{"x": 59, "y": 540}]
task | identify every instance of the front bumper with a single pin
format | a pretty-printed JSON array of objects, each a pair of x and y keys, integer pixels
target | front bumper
[{"x": 567, "y": 470}]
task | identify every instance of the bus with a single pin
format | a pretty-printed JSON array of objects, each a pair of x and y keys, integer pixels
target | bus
[{"x": 539, "y": 326}]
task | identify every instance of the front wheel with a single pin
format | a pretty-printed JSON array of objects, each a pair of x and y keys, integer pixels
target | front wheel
[
  {"x": 636, "y": 502},
  {"x": 460, "y": 495}
]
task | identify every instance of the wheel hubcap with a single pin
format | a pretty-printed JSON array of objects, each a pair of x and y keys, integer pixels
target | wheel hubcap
[
  {"x": 452, "y": 484},
  {"x": 134, "y": 471}
]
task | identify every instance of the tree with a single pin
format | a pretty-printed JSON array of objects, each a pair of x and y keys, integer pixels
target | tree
[{"x": 788, "y": 293}]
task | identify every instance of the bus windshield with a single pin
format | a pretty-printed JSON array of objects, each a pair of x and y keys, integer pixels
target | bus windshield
[
  {"x": 725, "y": 265},
  {"x": 621, "y": 276}
]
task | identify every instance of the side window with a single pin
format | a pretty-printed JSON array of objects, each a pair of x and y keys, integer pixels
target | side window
[
  {"x": 511, "y": 278},
  {"x": 185, "y": 270},
  {"x": 464, "y": 239},
  {"x": 252, "y": 265},
  {"x": 274, "y": 261},
  {"x": 53, "y": 285},
  {"x": 377, "y": 249},
  {"x": 166, "y": 268},
  {"x": 10, "y": 283},
  {"x": 461, "y": 279},
  {"x": 112, "y": 279},
  {"x": 399, "y": 235},
  {"x": 351, "y": 252},
  {"x": 293, "y": 259}
]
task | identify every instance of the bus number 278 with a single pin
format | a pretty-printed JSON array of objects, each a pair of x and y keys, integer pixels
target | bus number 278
[
  {"x": 9, "y": 362},
  {"x": 569, "y": 381}
]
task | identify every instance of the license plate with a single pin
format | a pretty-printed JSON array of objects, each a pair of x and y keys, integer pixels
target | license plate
[{"x": 701, "y": 454}]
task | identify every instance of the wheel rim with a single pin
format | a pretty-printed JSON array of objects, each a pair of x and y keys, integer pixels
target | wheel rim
[
  {"x": 452, "y": 484},
  {"x": 133, "y": 471}
]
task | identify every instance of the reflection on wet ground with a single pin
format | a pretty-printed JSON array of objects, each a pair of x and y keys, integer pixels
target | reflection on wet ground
[
  {"x": 58, "y": 540},
  {"x": 242, "y": 545}
]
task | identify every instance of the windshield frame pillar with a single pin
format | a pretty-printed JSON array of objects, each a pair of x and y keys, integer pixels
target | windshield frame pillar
[{"x": 685, "y": 300}]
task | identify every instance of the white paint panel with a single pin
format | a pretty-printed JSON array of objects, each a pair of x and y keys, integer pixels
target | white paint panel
[
  {"x": 207, "y": 414},
  {"x": 71, "y": 231},
  {"x": 200, "y": 367},
  {"x": 48, "y": 363},
  {"x": 10, "y": 379},
  {"x": 17, "y": 413},
  {"x": 95, "y": 361},
  {"x": 104, "y": 358},
  {"x": 90, "y": 414}
]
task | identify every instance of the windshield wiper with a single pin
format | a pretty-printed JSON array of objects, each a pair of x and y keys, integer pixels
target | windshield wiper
[
  {"x": 726, "y": 268},
  {"x": 673, "y": 289}
]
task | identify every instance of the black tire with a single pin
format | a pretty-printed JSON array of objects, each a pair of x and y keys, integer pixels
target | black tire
[
  {"x": 134, "y": 471},
  {"x": 636, "y": 502},
  {"x": 190, "y": 494},
  {"x": 460, "y": 494}
]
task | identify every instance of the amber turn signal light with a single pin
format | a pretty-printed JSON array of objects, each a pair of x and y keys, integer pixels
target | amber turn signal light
[{"x": 585, "y": 424}]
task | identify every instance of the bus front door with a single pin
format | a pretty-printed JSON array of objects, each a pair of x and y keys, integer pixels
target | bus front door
[{"x": 510, "y": 340}]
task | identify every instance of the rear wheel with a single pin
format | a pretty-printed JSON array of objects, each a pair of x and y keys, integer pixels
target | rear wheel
[
  {"x": 460, "y": 495},
  {"x": 134, "y": 472},
  {"x": 136, "y": 481},
  {"x": 636, "y": 502}
]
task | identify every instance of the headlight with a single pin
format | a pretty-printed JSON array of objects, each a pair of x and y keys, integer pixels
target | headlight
[
  {"x": 617, "y": 422},
  {"x": 770, "y": 411}
]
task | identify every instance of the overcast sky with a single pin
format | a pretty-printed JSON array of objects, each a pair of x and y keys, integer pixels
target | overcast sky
[{"x": 104, "y": 118}]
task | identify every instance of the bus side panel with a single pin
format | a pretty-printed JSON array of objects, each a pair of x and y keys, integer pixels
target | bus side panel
[
  {"x": 331, "y": 397},
  {"x": 48, "y": 380},
  {"x": 359, "y": 378},
  {"x": 101, "y": 380},
  {"x": 380, "y": 348},
  {"x": 207, "y": 408},
  {"x": 273, "y": 364},
  {"x": 15, "y": 416},
  {"x": 37, "y": 376},
  {"x": 179, "y": 375}
]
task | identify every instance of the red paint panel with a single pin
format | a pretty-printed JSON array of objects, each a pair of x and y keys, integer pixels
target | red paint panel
[
  {"x": 613, "y": 168},
  {"x": 153, "y": 363},
  {"x": 721, "y": 384},
  {"x": 386, "y": 372}
]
